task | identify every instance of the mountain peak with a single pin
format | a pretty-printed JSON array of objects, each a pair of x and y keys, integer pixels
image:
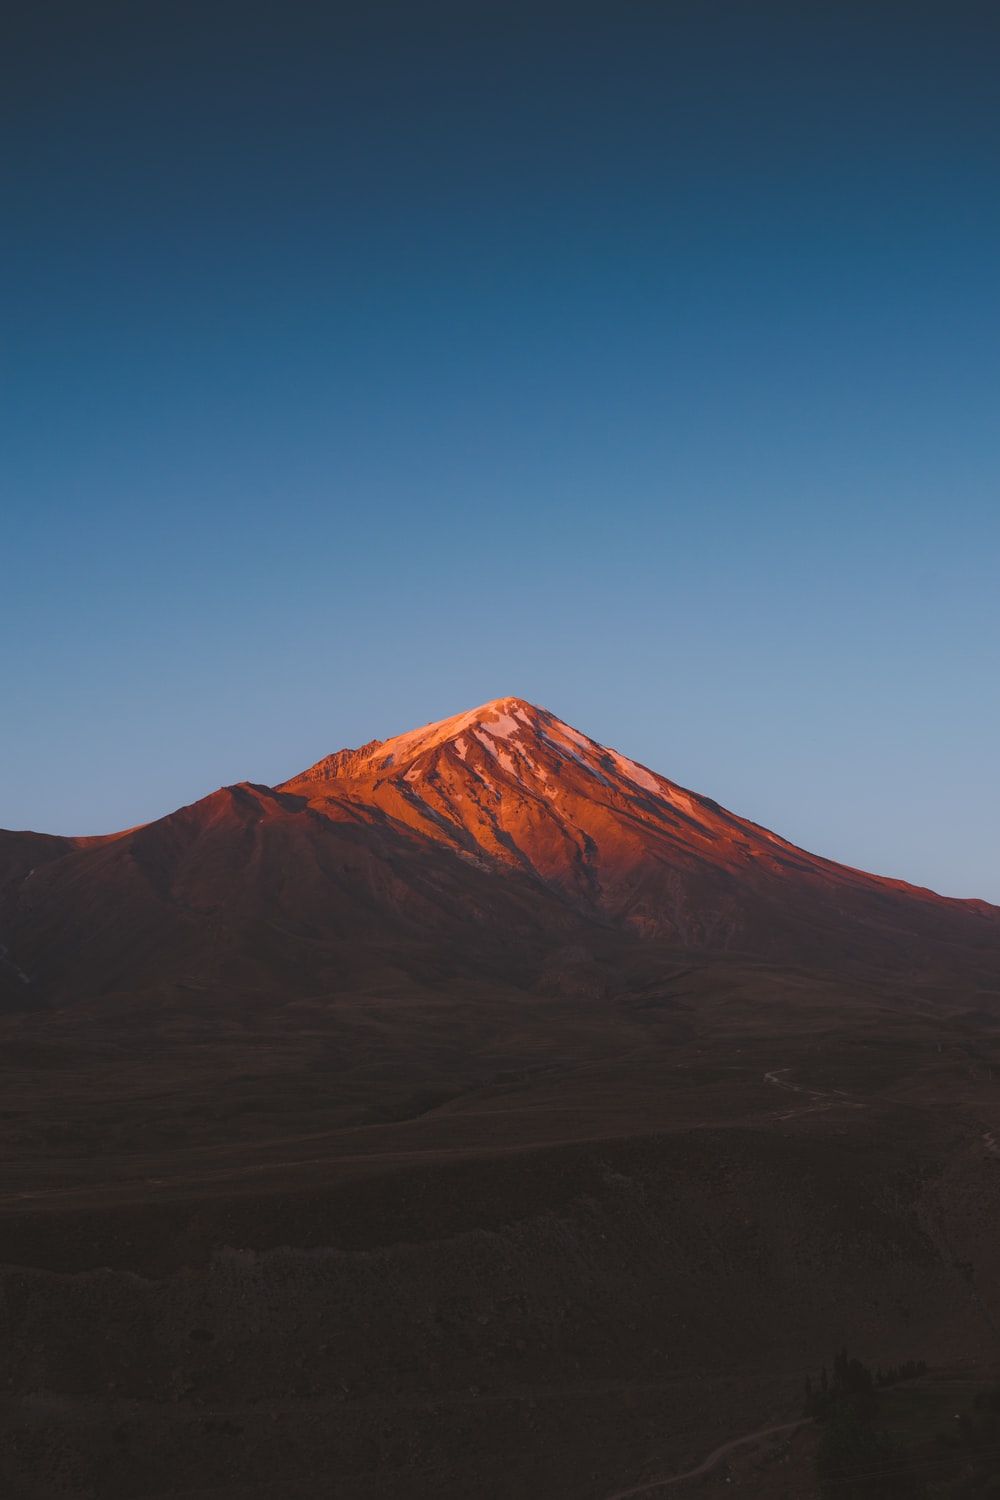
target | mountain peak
[
  {"x": 509, "y": 706},
  {"x": 499, "y": 719},
  {"x": 512, "y": 784},
  {"x": 478, "y": 758}
]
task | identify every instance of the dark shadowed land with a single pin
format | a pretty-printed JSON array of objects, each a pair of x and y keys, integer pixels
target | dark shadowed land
[{"x": 478, "y": 1114}]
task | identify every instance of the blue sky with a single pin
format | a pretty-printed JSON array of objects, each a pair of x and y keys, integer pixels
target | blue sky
[{"x": 361, "y": 364}]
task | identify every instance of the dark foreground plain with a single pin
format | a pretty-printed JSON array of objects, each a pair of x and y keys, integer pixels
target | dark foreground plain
[
  {"x": 561, "y": 1209},
  {"x": 260, "y": 1262}
]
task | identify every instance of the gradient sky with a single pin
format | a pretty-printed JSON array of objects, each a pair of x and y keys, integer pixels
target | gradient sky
[{"x": 365, "y": 362}]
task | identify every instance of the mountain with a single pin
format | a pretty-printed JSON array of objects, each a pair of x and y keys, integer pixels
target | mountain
[
  {"x": 502, "y": 822},
  {"x": 518, "y": 789},
  {"x": 477, "y": 1112}
]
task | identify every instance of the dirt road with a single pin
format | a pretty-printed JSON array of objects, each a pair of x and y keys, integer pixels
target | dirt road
[{"x": 709, "y": 1463}]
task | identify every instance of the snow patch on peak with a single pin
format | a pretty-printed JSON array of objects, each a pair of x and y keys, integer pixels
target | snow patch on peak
[
  {"x": 555, "y": 742},
  {"x": 681, "y": 799},
  {"x": 563, "y": 731},
  {"x": 636, "y": 773},
  {"x": 503, "y": 726}
]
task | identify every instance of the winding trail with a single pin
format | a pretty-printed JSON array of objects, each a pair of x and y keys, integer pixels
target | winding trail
[
  {"x": 709, "y": 1463},
  {"x": 828, "y": 1099}
]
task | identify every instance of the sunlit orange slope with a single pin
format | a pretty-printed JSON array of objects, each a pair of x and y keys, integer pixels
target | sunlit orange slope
[{"x": 512, "y": 785}]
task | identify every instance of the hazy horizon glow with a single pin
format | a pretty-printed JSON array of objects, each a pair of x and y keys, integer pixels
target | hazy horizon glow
[{"x": 364, "y": 364}]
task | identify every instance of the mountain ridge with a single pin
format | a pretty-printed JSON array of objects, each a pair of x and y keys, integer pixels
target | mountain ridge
[{"x": 497, "y": 825}]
